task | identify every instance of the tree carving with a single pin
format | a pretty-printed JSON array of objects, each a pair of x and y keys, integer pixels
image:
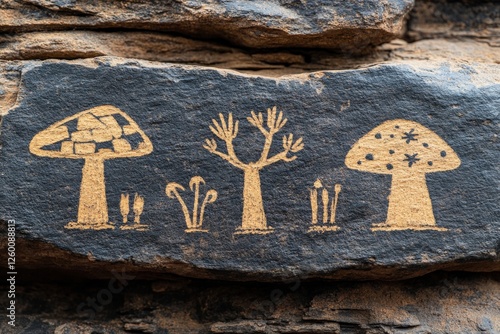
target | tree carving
[{"x": 253, "y": 218}]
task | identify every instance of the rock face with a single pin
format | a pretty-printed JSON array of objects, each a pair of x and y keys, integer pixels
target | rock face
[
  {"x": 283, "y": 166},
  {"x": 385, "y": 172},
  {"x": 427, "y": 305},
  {"x": 432, "y": 19},
  {"x": 349, "y": 26}
]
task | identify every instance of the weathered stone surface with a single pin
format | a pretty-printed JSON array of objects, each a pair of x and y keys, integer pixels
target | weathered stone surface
[
  {"x": 140, "y": 45},
  {"x": 352, "y": 26},
  {"x": 441, "y": 303},
  {"x": 10, "y": 75},
  {"x": 173, "y": 106},
  {"x": 455, "y": 19},
  {"x": 175, "y": 49}
]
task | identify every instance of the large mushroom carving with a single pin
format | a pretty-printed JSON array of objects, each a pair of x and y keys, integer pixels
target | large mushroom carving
[
  {"x": 406, "y": 150},
  {"x": 95, "y": 135}
]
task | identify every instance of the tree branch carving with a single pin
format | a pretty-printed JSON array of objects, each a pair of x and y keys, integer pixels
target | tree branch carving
[{"x": 227, "y": 131}]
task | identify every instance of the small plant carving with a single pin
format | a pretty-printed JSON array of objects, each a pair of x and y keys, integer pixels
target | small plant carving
[
  {"x": 124, "y": 207},
  {"x": 254, "y": 218},
  {"x": 137, "y": 207},
  {"x": 194, "y": 222},
  {"x": 328, "y": 218}
]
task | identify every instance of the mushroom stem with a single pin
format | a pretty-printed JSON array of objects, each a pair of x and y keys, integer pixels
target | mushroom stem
[
  {"x": 333, "y": 212},
  {"x": 210, "y": 197},
  {"x": 325, "y": 200},
  {"x": 93, "y": 207},
  {"x": 410, "y": 205}
]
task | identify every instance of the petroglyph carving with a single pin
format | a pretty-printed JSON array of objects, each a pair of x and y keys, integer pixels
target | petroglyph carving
[
  {"x": 137, "y": 207},
  {"x": 328, "y": 212},
  {"x": 254, "y": 218},
  {"x": 406, "y": 150},
  {"x": 98, "y": 134},
  {"x": 194, "y": 222}
]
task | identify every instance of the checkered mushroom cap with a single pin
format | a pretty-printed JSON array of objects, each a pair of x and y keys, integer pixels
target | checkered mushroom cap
[{"x": 103, "y": 132}]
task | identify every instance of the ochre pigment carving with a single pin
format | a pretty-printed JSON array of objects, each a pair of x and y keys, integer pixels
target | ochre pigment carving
[
  {"x": 193, "y": 223},
  {"x": 406, "y": 150},
  {"x": 254, "y": 218},
  {"x": 101, "y": 133},
  {"x": 328, "y": 212},
  {"x": 137, "y": 207}
]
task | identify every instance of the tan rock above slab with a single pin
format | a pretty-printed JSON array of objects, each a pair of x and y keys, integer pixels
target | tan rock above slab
[{"x": 349, "y": 26}]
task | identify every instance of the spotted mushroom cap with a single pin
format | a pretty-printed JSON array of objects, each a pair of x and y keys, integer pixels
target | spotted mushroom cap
[
  {"x": 103, "y": 132},
  {"x": 401, "y": 146}
]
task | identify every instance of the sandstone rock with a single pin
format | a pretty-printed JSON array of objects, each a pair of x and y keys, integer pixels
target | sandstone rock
[
  {"x": 175, "y": 49},
  {"x": 352, "y": 27},
  {"x": 256, "y": 327},
  {"x": 72, "y": 328},
  {"x": 10, "y": 75},
  {"x": 431, "y": 19},
  {"x": 192, "y": 206},
  {"x": 439, "y": 303},
  {"x": 391, "y": 307}
]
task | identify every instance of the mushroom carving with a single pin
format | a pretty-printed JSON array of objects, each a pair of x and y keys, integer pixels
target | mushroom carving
[
  {"x": 406, "y": 150},
  {"x": 97, "y": 134}
]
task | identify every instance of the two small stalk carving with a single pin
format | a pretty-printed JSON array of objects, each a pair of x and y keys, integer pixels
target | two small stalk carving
[
  {"x": 194, "y": 222},
  {"x": 138, "y": 207},
  {"x": 328, "y": 220}
]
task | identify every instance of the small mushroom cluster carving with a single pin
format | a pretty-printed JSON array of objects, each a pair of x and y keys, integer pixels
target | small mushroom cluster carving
[{"x": 137, "y": 209}]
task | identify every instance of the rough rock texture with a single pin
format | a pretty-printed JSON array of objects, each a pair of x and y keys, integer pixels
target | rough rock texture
[
  {"x": 175, "y": 49},
  {"x": 453, "y": 303},
  {"x": 331, "y": 111},
  {"x": 54, "y": 293},
  {"x": 455, "y": 19},
  {"x": 349, "y": 26},
  {"x": 10, "y": 75}
]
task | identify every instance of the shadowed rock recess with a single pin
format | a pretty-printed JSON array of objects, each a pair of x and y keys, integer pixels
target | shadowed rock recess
[
  {"x": 251, "y": 166},
  {"x": 438, "y": 303}
]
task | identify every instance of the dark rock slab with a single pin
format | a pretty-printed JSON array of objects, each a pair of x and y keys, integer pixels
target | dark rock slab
[
  {"x": 350, "y": 26},
  {"x": 85, "y": 137}
]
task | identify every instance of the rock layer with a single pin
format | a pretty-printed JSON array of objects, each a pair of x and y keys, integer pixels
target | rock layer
[
  {"x": 431, "y": 19},
  {"x": 352, "y": 27},
  {"x": 175, "y": 49},
  {"x": 427, "y": 305}
]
